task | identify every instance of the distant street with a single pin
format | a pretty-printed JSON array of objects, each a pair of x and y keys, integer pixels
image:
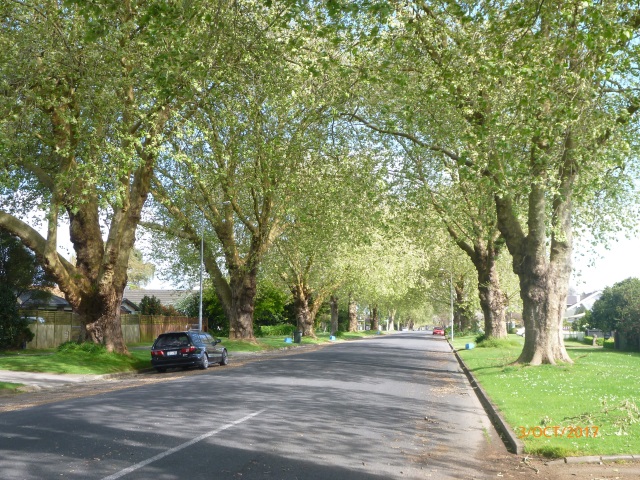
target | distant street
[{"x": 394, "y": 406}]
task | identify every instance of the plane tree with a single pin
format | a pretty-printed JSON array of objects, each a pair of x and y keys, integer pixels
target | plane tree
[
  {"x": 537, "y": 101},
  {"x": 385, "y": 269},
  {"x": 436, "y": 186},
  {"x": 89, "y": 94},
  {"x": 244, "y": 161},
  {"x": 342, "y": 200}
]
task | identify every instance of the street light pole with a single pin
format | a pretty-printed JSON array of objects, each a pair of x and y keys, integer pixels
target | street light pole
[
  {"x": 201, "y": 262},
  {"x": 451, "y": 296}
]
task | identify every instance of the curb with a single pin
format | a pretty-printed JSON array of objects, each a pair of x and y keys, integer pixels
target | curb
[
  {"x": 595, "y": 459},
  {"x": 511, "y": 441}
]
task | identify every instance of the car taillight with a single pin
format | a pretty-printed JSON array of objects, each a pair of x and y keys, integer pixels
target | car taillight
[
  {"x": 190, "y": 349},
  {"x": 157, "y": 353}
]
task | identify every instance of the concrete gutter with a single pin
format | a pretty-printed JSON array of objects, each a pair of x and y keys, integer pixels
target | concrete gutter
[{"x": 511, "y": 441}]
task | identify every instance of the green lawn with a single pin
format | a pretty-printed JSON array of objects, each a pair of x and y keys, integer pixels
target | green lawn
[
  {"x": 81, "y": 362},
  {"x": 599, "y": 393}
]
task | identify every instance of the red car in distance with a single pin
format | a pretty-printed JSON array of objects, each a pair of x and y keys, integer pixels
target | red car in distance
[{"x": 438, "y": 330}]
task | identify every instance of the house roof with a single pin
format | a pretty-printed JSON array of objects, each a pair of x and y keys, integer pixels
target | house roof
[
  {"x": 166, "y": 297},
  {"x": 586, "y": 301},
  {"x": 38, "y": 299},
  {"x": 128, "y": 306},
  {"x": 43, "y": 300}
]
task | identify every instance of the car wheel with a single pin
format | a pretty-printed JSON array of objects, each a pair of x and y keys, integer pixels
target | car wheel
[
  {"x": 224, "y": 359},
  {"x": 161, "y": 370},
  {"x": 204, "y": 363}
]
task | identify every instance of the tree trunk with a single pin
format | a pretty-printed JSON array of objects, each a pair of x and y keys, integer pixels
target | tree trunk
[
  {"x": 240, "y": 309},
  {"x": 375, "y": 318},
  {"x": 492, "y": 298},
  {"x": 304, "y": 318},
  {"x": 492, "y": 302},
  {"x": 334, "y": 314},
  {"x": 100, "y": 320},
  {"x": 460, "y": 316},
  {"x": 392, "y": 318},
  {"x": 543, "y": 298},
  {"x": 544, "y": 274},
  {"x": 353, "y": 316},
  {"x": 483, "y": 255}
]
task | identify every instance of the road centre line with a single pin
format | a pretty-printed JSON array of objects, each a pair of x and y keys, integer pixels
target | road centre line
[{"x": 173, "y": 450}]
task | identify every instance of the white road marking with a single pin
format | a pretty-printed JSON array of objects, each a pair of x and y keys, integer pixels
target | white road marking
[{"x": 173, "y": 450}]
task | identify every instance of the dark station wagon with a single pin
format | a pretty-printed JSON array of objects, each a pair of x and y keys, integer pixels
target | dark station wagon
[{"x": 187, "y": 349}]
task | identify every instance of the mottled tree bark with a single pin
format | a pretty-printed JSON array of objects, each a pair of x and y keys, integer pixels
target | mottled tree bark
[
  {"x": 242, "y": 287},
  {"x": 374, "y": 321},
  {"x": 542, "y": 265},
  {"x": 483, "y": 255},
  {"x": 334, "y": 314},
  {"x": 392, "y": 318},
  {"x": 353, "y": 316},
  {"x": 304, "y": 320}
]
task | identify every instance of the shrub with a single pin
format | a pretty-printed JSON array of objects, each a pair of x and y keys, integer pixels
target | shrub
[
  {"x": 150, "y": 306},
  {"x": 618, "y": 308},
  {"x": 282, "y": 330},
  {"x": 14, "y": 330},
  {"x": 609, "y": 343},
  {"x": 589, "y": 340}
]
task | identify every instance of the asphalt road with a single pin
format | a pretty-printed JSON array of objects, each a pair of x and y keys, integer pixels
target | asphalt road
[{"x": 387, "y": 407}]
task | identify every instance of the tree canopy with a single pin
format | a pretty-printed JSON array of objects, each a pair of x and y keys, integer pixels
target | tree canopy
[
  {"x": 618, "y": 308},
  {"x": 254, "y": 124},
  {"x": 19, "y": 267}
]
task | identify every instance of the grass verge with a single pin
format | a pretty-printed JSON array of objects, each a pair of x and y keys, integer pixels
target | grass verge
[
  {"x": 78, "y": 360},
  {"x": 588, "y": 408},
  {"x": 92, "y": 359},
  {"x": 10, "y": 387}
]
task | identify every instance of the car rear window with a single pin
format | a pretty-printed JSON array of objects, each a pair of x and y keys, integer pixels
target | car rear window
[{"x": 172, "y": 340}]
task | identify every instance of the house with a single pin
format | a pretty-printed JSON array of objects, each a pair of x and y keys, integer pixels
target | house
[
  {"x": 128, "y": 306},
  {"x": 44, "y": 300},
  {"x": 578, "y": 304},
  {"x": 166, "y": 297}
]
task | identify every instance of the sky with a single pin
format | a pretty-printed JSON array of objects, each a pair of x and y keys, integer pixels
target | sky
[{"x": 606, "y": 266}]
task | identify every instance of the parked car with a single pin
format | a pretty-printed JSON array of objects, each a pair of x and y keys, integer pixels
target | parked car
[
  {"x": 520, "y": 331},
  {"x": 438, "y": 330},
  {"x": 35, "y": 319},
  {"x": 187, "y": 349}
]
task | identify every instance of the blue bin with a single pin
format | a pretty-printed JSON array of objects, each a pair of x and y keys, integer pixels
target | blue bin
[
  {"x": 469, "y": 346},
  {"x": 288, "y": 340}
]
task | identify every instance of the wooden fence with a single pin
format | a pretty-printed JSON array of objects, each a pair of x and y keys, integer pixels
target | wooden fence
[{"x": 52, "y": 328}]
